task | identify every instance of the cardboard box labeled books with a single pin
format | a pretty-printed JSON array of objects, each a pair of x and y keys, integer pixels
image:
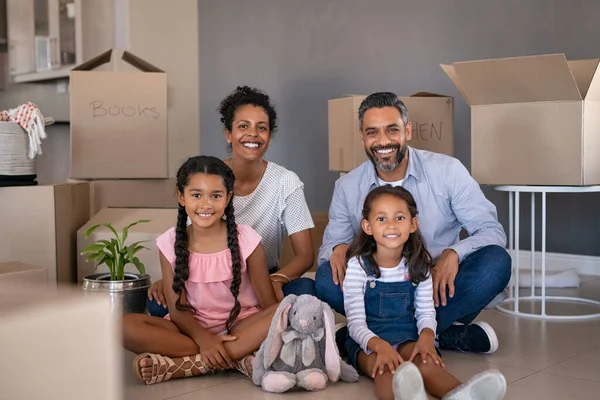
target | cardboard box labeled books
[
  {"x": 39, "y": 225},
  {"x": 15, "y": 274},
  {"x": 118, "y": 120},
  {"x": 535, "y": 120},
  {"x": 431, "y": 116},
  {"x": 160, "y": 221},
  {"x": 61, "y": 330}
]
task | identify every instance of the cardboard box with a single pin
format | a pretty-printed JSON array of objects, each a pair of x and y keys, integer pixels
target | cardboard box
[
  {"x": 59, "y": 332},
  {"x": 118, "y": 120},
  {"x": 175, "y": 48},
  {"x": 431, "y": 116},
  {"x": 39, "y": 225},
  {"x": 160, "y": 221},
  {"x": 143, "y": 193},
  {"x": 531, "y": 118},
  {"x": 320, "y": 219},
  {"x": 15, "y": 274}
]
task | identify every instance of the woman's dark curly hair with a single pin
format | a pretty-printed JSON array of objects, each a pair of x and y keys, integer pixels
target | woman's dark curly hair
[
  {"x": 417, "y": 257},
  {"x": 212, "y": 166},
  {"x": 244, "y": 95}
]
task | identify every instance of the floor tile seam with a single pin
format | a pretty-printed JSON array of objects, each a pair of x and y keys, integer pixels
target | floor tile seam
[
  {"x": 201, "y": 389},
  {"x": 572, "y": 377}
]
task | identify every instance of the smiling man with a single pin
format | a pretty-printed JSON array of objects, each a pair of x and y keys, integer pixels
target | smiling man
[{"x": 468, "y": 274}]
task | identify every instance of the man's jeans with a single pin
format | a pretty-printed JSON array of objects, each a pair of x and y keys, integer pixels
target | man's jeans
[{"x": 481, "y": 277}]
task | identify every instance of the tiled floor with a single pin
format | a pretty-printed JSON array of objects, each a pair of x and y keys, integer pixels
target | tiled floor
[{"x": 541, "y": 360}]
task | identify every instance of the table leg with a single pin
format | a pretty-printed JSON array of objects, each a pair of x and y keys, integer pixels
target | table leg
[
  {"x": 532, "y": 244},
  {"x": 511, "y": 241},
  {"x": 543, "y": 254},
  {"x": 517, "y": 226}
]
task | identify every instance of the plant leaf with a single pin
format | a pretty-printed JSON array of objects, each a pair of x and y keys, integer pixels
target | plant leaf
[
  {"x": 93, "y": 248},
  {"x": 126, "y": 229},
  {"x": 109, "y": 226},
  {"x": 137, "y": 243},
  {"x": 136, "y": 249},
  {"x": 91, "y": 257},
  {"x": 90, "y": 230},
  {"x": 111, "y": 267},
  {"x": 139, "y": 265}
]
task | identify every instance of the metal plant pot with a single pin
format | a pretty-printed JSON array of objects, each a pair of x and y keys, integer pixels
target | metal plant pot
[{"x": 126, "y": 296}]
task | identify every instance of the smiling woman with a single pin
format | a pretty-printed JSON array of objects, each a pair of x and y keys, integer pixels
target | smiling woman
[{"x": 267, "y": 196}]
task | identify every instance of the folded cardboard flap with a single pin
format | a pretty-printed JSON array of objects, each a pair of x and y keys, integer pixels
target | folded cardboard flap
[
  {"x": 516, "y": 80},
  {"x": 583, "y": 72},
  {"x": 428, "y": 94},
  {"x": 126, "y": 56},
  {"x": 418, "y": 94}
]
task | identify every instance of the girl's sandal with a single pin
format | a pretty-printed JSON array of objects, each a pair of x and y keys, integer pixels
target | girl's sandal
[
  {"x": 245, "y": 365},
  {"x": 163, "y": 367}
]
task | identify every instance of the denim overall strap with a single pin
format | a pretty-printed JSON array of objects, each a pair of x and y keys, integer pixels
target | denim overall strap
[
  {"x": 389, "y": 309},
  {"x": 366, "y": 266}
]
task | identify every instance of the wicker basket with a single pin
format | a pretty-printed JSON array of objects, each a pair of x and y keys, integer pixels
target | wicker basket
[{"x": 14, "y": 146}]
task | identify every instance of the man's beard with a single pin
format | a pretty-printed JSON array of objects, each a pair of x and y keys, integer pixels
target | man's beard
[{"x": 400, "y": 154}]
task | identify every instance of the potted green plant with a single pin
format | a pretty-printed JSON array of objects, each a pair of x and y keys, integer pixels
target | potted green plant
[{"x": 127, "y": 291}]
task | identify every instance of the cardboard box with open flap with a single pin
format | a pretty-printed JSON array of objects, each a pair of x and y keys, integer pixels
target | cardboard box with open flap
[
  {"x": 118, "y": 119},
  {"x": 535, "y": 120},
  {"x": 431, "y": 116}
]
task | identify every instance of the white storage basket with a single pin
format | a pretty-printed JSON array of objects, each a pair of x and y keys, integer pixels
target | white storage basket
[{"x": 14, "y": 148}]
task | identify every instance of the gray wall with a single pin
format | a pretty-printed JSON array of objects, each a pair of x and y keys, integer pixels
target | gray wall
[{"x": 305, "y": 52}]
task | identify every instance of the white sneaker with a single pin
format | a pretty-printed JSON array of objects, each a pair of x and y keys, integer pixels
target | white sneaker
[
  {"x": 408, "y": 383},
  {"x": 488, "y": 385}
]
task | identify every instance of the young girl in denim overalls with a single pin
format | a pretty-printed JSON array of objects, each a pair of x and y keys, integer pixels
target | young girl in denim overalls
[{"x": 388, "y": 297}]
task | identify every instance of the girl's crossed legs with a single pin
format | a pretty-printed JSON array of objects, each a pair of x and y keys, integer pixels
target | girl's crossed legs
[
  {"x": 146, "y": 334},
  {"x": 438, "y": 381}
]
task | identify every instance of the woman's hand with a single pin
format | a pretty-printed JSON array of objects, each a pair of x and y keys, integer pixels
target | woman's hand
[
  {"x": 425, "y": 347},
  {"x": 386, "y": 356},
  {"x": 278, "y": 288},
  {"x": 213, "y": 352},
  {"x": 156, "y": 292}
]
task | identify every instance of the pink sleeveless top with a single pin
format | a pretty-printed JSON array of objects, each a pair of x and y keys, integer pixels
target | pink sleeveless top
[{"x": 210, "y": 277}]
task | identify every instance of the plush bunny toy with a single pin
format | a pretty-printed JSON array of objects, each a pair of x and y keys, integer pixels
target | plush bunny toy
[{"x": 300, "y": 348}]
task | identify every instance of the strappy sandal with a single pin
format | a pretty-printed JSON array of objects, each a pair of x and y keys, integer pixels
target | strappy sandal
[
  {"x": 245, "y": 365},
  {"x": 168, "y": 367}
]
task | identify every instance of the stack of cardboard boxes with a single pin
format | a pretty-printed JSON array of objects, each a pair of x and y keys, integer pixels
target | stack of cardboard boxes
[
  {"x": 121, "y": 171},
  {"x": 119, "y": 144}
]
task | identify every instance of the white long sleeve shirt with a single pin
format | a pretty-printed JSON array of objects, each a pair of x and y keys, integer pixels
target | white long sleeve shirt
[{"x": 354, "y": 288}]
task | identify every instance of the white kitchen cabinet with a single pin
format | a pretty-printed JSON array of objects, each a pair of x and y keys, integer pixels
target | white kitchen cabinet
[{"x": 44, "y": 38}]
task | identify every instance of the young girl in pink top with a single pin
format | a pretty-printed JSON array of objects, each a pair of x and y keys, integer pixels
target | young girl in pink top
[{"x": 220, "y": 296}]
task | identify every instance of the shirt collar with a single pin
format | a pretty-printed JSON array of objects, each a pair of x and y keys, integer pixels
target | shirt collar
[{"x": 414, "y": 169}]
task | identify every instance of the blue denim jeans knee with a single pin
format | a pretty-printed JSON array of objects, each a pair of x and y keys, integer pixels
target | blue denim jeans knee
[
  {"x": 327, "y": 290},
  {"x": 481, "y": 276}
]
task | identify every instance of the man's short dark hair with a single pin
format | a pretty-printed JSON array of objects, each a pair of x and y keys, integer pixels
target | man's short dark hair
[{"x": 380, "y": 100}]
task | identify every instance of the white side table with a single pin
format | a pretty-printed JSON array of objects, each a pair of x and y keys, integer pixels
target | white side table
[{"x": 514, "y": 192}]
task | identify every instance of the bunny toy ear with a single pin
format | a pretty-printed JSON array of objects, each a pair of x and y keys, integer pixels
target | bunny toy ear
[
  {"x": 279, "y": 323},
  {"x": 332, "y": 357}
]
